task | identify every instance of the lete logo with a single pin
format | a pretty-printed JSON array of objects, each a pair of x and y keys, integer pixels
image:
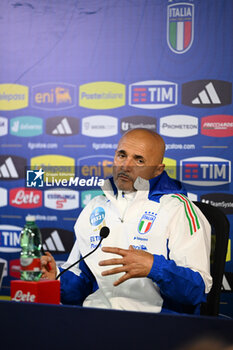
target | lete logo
[{"x": 25, "y": 198}]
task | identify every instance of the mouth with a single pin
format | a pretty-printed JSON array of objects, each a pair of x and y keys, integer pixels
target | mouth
[{"x": 124, "y": 177}]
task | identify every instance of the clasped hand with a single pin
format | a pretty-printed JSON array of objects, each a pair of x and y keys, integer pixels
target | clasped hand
[{"x": 135, "y": 263}]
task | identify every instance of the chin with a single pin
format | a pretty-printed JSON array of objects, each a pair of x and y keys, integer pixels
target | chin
[{"x": 124, "y": 186}]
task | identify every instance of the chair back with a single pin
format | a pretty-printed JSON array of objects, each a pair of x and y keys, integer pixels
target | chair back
[{"x": 219, "y": 240}]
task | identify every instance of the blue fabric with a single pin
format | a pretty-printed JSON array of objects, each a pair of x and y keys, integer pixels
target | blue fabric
[
  {"x": 181, "y": 288},
  {"x": 75, "y": 289}
]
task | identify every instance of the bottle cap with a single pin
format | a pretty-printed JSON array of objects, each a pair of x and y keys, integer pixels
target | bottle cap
[{"x": 30, "y": 218}]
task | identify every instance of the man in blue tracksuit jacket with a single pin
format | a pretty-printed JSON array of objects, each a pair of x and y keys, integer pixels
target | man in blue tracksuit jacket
[{"x": 157, "y": 255}]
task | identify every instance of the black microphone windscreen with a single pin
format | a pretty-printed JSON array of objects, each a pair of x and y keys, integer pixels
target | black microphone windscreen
[{"x": 104, "y": 232}]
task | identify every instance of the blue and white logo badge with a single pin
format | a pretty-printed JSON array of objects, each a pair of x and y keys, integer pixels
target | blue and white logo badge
[
  {"x": 146, "y": 222},
  {"x": 35, "y": 178},
  {"x": 205, "y": 171},
  {"x": 153, "y": 94},
  {"x": 97, "y": 216}
]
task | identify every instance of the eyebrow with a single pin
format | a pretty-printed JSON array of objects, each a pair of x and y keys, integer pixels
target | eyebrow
[{"x": 136, "y": 156}]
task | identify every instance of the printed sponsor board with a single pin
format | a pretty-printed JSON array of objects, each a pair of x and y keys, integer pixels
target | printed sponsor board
[
  {"x": 223, "y": 201},
  {"x": 170, "y": 167},
  {"x": 207, "y": 93},
  {"x": 3, "y": 197},
  {"x": 12, "y": 167},
  {"x": 62, "y": 126},
  {"x": 54, "y": 166},
  {"x": 138, "y": 121},
  {"x": 57, "y": 240},
  {"x": 26, "y": 126},
  {"x": 61, "y": 199},
  {"x": 180, "y": 26},
  {"x": 13, "y": 96},
  {"x": 99, "y": 165},
  {"x": 9, "y": 238},
  {"x": 205, "y": 171},
  {"x": 179, "y": 126},
  {"x": 99, "y": 126},
  {"x": 3, "y": 126},
  {"x": 14, "y": 268},
  {"x": 218, "y": 125},
  {"x": 153, "y": 94},
  {"x": 25, "y": 198},
  {"x": 53, "y": 96},
  {"x": 87, "y": 196},
  {"x": 102, "y": 95}
]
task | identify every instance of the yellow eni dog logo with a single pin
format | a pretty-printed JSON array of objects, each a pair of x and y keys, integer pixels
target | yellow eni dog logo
[
  {"x": 54, "y": 166},
  {"x": 13, "y": 96},
  {"x": 170, "y": 167},
  {"x": 53, "y": 96},
  {"x": 102, "y": 95}
]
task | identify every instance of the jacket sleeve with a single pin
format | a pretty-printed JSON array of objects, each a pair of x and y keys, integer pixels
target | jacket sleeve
[
  {"x": 183, "y": 276},
  {"x": 78, "y": 282}
]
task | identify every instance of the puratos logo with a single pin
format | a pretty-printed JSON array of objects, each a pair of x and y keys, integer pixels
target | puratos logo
[
  {"x": 102, "y": 95},
  {"x": 13, "y": 96},
  {"x": 9, "y": 238},
  {"x": 217, "y": 125},
  {"x": 205, "y": 171},
  {"x": 61, "y": 199},
  {"x": 179, "y": 126},
  {"x": 26, "y": 126},
  {"x": 180, "y": 26},
  {"x": 12, "y": 167},
  {"x": 62, "y": 126},
  {"x": 153, "y": 94},
  {"x": 25, "y": 198},
  {"x": 223, "y": 201},
  {"x": 53, "y": 96},
  {"x": 3, "y": 126},
  {"x": 207, "y": 93},
  {"x": 100, "y": 126},
  {"x": 138, "y": 121}
]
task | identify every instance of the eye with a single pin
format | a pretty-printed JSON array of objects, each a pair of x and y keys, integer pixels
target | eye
[{"x": 140, "y": 161}]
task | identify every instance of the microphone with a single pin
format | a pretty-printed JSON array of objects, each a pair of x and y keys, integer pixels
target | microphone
[{"x": 104, "y": 232}]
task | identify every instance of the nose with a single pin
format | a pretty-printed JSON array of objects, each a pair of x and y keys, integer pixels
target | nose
[{"x": 127, "y": 164}]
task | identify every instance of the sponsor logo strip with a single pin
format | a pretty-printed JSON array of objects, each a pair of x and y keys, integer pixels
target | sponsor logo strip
[{"x": 190, "y": 213}]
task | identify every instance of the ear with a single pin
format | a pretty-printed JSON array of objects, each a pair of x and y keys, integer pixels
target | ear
[{"x": 159, "y": 169}]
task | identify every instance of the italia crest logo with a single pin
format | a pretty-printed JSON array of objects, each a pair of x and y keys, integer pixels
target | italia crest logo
[
  {"x": 180, "y": 26},
  {"x": 146, "y": 222}
]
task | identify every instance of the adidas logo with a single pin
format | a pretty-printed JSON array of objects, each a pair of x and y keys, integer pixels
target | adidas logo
[
  {"x": 62, "y": 128},
  {"x": 207, "y": 93},
  {"x": 57, "y": 241},
  {"x": 207, "y": 96},
  {"x": 8, "y": 170},
  {"x": 54, "y": 243}
]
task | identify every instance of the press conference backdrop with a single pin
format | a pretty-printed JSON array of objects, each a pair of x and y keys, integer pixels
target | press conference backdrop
[{"x": 76, "y": 75}]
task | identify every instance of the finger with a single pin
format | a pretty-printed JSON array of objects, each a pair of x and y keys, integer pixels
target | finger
[
  {"x": 122, "y": 279},
  {"x": 113, "y": 271},
  {"x": 131, "y": 247},
  {"x": 111, "y": 262},
  {"x": 114, "y": 250}
]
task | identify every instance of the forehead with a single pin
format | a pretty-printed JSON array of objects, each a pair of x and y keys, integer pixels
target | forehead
[{"x": 133, "y": 145}]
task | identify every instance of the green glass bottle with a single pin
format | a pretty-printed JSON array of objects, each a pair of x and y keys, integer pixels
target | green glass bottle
[{"x": 30, "y": 242}]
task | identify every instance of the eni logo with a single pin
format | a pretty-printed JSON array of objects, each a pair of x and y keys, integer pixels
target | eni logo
[
  {"x": 13, "y": 96},
  {"x": 53, "y": 96}
]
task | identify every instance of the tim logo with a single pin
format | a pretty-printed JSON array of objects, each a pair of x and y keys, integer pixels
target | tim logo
[
  {"x": 9, "y": 238},
  {"x": 53, "y": 96},
  {"x": 35, "y": 178},
  {"x": 205, "y": 171},
  {"x": 180, "y": 27},
  {"x": 153, "y": 94}
]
